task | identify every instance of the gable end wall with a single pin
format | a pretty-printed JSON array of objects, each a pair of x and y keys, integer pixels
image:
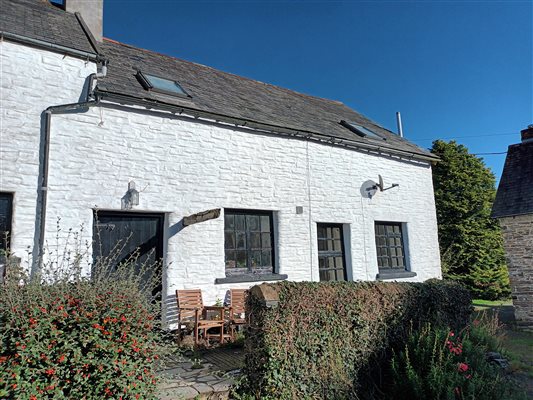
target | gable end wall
[{"x": 518, "y": 241}]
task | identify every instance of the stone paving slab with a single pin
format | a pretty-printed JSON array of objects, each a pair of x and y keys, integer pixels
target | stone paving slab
[{"x": 181, "y": 380}]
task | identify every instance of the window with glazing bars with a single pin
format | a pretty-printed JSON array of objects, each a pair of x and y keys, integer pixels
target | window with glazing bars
[
  {"x": 6, "y": 212},
  {"x": 389, "y": 246},
  {"x": 331, "y": 264},
  {"x": 248, "y": 242}
]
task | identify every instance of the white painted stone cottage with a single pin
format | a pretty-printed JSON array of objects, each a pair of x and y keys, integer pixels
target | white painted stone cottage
[{"x": 237, "y": 181}]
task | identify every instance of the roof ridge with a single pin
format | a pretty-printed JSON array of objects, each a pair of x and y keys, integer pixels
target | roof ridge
[{"x": 225, "y": 72}]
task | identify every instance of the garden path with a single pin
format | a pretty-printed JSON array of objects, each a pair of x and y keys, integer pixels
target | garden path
[{"x": 204, "y": 375}]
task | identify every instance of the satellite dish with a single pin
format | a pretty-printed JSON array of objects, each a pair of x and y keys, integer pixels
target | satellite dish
[
  {"x": 369, "y": 189},
  {"x": 380, "y": 184}
]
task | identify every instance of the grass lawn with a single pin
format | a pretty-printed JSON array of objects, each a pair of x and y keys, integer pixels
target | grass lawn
[
  {"x": 485, "y": 304},
  {"x": 518, "y": 345}
]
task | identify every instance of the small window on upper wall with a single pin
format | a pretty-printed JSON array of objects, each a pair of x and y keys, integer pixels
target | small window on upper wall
[
  {"x": 159, "y": 84},
  {"x": 6, "y": 213},
  {"x": 361, "y": 130}
]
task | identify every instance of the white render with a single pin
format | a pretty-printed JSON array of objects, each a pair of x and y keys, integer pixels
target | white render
[{"x": 182, "y": 166}]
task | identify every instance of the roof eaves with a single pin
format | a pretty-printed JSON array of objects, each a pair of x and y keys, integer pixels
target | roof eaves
[
  {"x": 50, "y": 46},
  {"x": 256, "y": 125}
]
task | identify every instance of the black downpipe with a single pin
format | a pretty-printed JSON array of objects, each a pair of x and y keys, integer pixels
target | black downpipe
[{"x": 42, "y": 195}]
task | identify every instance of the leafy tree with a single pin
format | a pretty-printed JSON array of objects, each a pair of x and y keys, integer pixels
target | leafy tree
[{"x": 471, "y": 243}]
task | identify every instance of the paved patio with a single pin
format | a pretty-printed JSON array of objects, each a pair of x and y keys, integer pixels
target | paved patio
[{"x": 210, "y": 376}]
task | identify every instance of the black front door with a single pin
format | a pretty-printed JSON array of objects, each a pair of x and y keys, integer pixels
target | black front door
[{"x": 128, "y": 237}]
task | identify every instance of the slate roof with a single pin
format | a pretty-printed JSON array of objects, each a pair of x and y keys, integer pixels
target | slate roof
[
  {"x": 212, "y": 91},
  {"x": 38, "y": 19},
  {"x": 222, "y": 93},
  {"x": 515, "y": 191}
]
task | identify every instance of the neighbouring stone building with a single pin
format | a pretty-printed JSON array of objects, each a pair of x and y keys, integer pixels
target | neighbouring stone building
[
  {"x": 229, "y": 181},
  {"x": 513, "y": 207}
]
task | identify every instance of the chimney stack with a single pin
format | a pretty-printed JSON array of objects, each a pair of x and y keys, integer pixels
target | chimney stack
[
  {"x": 92, "y": 12},
  {"x": 527, "y": 134}
]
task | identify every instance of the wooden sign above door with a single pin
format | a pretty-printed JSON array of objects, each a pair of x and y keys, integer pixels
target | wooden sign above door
[{"x": 201, "y": 217}]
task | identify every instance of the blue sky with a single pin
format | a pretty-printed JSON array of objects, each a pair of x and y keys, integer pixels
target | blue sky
[{"x": 455, "y": 69}]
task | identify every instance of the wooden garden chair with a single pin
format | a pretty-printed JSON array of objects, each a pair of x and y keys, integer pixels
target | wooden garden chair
[
  {"x": 237, "y": 310},
  {"x": 194, "y": 314}
]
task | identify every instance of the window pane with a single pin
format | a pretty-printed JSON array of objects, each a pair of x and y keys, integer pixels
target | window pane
[
  {"x": 230, "y": 259},
  {"x": 339, "y": 262},
  {"x": 252, "y": 223},
  {"x": 266, "y": 258},
  {"x": 256, "y": 259},
  {"x": 323, "y": 275},
  {"x": 265, "y": 241},
  {"x": 241, "y": 259},
  {"x": 229, "y": 222},
  {"x": 164, "y": 84},
  {"x": 239, "y": 222},
  {"x": 337, "y": 245},
  {"x": 340, "y": 275},
  {"x": 241, "y": 240},
  {"x": 322, "y": 245},
  {"x": 229, "y": 240},
  {"x": 336, "y": 233},
  {"x": 255, "y": 240},
  {"x": 265, "y": 223}
]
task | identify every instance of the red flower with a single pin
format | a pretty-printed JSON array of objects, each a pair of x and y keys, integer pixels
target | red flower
[
  {"x": 33, "y": 397},
  {"x": 462, "y": 367},
  {"x": 50, "y": 372},
  {"x": 61, "y": 358},
  {"x": 468, "y": 376}
]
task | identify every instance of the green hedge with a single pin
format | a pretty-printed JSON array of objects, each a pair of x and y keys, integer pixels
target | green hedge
[{"x": 325, "y": 340}]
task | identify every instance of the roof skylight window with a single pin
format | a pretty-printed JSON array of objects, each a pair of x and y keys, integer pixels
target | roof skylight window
[
  {"x": 163, "y": 85},
  {"x": 361, "y": 130}
]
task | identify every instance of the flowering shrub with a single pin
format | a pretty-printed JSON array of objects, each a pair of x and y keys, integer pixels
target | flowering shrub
[
  {"x": 437, "y": 363},
  {"x": 77, "y": 338}
]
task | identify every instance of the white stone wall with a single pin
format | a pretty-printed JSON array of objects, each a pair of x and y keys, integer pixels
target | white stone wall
[
  {"x": 30, "y": 81},
  {"x": 183, "y": 167}
]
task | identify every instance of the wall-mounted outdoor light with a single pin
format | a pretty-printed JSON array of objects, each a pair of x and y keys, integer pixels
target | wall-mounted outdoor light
[{"x": 131, "y": 198}]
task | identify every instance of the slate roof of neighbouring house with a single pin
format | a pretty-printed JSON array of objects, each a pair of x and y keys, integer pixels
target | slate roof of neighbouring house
[
  {"x": 212, "y": 91},
  {"x": 38, "y": 19},
  {"x": 515, "y": 191}
]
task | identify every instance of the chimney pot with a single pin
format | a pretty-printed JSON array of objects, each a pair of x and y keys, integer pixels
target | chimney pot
[{"x": 527, "y": 134}]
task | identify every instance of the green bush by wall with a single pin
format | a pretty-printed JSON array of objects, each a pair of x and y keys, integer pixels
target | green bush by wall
[{"x": 324, "y": 340}]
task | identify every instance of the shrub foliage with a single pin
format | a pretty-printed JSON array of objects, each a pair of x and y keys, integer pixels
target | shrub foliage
[
  {"x": 70, "y": 337},
  {"x": 471, "y": 242},
  {"x": 324, "y": 339},
  {"x": 440, "y": 364}
]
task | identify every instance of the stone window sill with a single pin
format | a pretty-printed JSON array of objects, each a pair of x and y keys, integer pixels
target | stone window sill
[
  {"x": 251, "y": 278},
  {"x": 395, "y": 275}
]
